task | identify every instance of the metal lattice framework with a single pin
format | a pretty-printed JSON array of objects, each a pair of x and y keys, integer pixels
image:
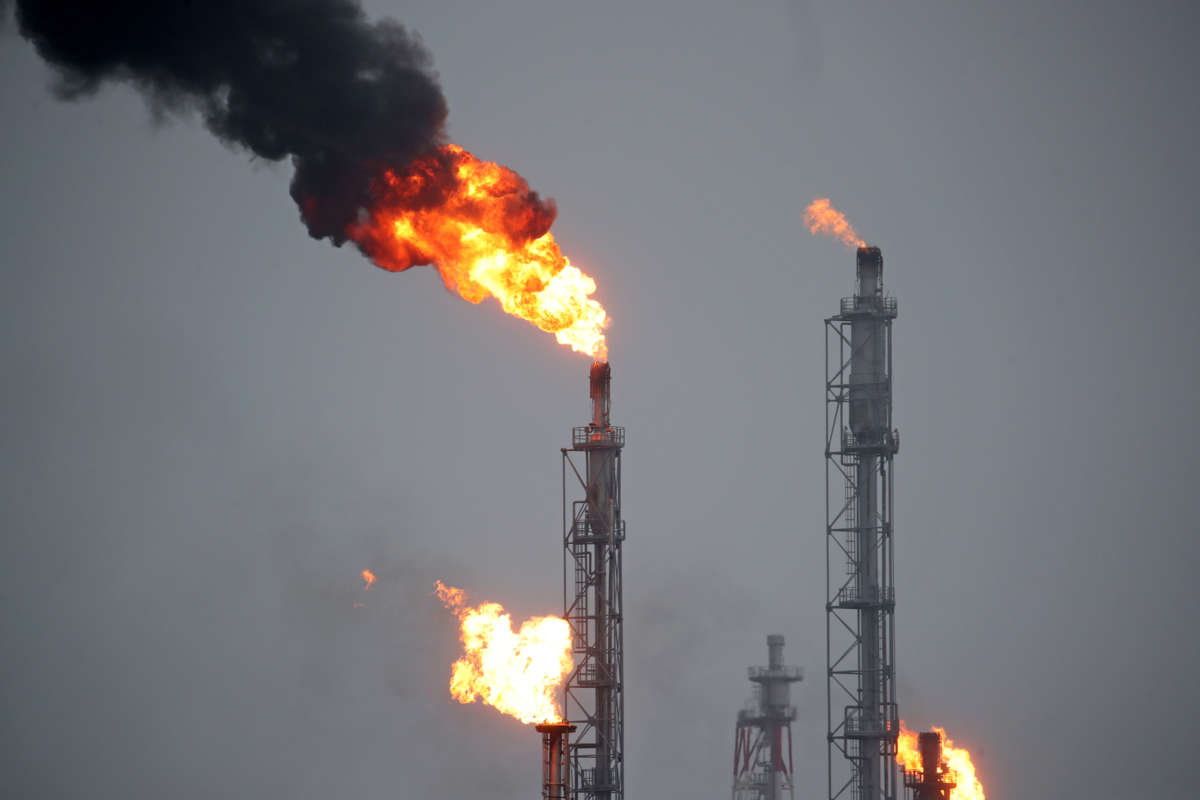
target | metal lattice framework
[
  {"x": 593, "y": 533},
  {"x": 860, "y": 445}
]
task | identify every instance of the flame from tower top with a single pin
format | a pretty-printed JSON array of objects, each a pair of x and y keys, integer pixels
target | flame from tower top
[
  {"x": 517, "y": 672},
  {"x": 822, "y": 217},
  {"x": 355, "y": 105},
  {"x": 488, "y": 235},
  {"x": 908, "y": 755}
]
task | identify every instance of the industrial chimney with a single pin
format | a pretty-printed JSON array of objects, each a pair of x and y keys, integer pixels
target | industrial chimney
[
  {"x": 934, "y": 780},
  {"x": 860, "y": 445},
  {"x": 593, "y": 534},
  {"x": 556, "y": 783}
]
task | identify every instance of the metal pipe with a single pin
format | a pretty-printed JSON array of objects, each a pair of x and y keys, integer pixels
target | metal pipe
[
  {"x": 866, "y": 362},
  {"x": 556, "y": 778},
  {"x": 599, "y": 387},
  {"x": 600, "y": 475}
]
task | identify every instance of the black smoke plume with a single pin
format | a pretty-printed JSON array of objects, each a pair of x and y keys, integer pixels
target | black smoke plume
[{"x": 315, "y": 80}]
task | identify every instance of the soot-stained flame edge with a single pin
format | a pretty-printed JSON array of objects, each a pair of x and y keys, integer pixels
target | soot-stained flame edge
[{"x": 488, "y": 235}]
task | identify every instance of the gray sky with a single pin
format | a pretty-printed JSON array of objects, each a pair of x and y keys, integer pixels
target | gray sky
[{"x": 211, "y": 423}]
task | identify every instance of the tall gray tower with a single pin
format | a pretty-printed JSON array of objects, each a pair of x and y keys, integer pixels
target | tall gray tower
[
  {"x": 593, "y": 533},
  {"x": 860, "y": 445}
]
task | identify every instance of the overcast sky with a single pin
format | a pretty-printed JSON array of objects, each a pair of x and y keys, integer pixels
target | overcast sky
[{"x": 211, "y": 423}]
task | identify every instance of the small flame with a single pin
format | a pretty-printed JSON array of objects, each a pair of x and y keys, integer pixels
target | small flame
[
  {"x": 822, "y": 217},
  {"x": 488, "y": 234},
  {"x": 369, "y": 577},
  {"x": 518, "y": 673},
  {"x": 908, "y": 755}
]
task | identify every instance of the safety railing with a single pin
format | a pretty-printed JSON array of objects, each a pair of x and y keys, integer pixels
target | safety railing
[
  {"x": 782, "y": 673},
  {"x": 584, "y": 532},
  {"x": 854, "y": 597},
  {"x": 597, "y": 779},
  {"x": 885, "y": 440},
  {"x": 593, "y": 436},
  {"x": 872, "y": 304},
  {"x": 945, "y": 778},
  {"x": 589, "y": 674},
  {"x": 869, "y": 726}
]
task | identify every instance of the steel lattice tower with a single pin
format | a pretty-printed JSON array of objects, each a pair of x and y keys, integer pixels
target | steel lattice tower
[
  {"x": 860, "y": 444},
  {"x": 762, "y": 744},
  {"x": 593, "y": 533}
]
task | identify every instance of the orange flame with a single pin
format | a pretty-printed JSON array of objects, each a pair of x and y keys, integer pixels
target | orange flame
[
  {"x": 956, "y": 758},
  {"x": 488, "y": 235},
  {"x": 822, "y": 217},
  {"x": 369, "y": 577},
  {"x": 518, "y": 673}
]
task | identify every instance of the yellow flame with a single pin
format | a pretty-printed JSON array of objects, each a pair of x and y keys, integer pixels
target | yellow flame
[
  {"x": 561, "y": 305},
  {"x": 822, "y": 217},
  {"x": 958, "y": 759},
  {"x": 517, "y": 672},
  {"x": 475, "y": 238},
  {"x": 369, "y": 577}
]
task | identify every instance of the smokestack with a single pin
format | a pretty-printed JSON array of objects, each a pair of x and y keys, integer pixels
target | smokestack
[
  {"x": 599, "y": 389},
  {"x": 929, "y": 744},
  {"x": 556, "y": 777},
  {"x": 775, "y": 651},
  {"x": 935, "y": 780},
  {"x": 593, "y": 538},
  {"x": 870, "y": 272},
  {"x": 859, "y": 452}
]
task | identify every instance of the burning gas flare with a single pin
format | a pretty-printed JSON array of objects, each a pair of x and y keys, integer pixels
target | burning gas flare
[
  {"x": 822, "y": 217},
  {"x": 368, "y": 578},
  {"x": 958, "y": 760},
  {"x": 355, "y": 105},
  {"x": 488, "y": 235},
  {"x": 518, "y": 673}
]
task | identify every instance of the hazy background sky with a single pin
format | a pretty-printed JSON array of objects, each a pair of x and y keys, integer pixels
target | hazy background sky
[{"x": 211, "y": 423}]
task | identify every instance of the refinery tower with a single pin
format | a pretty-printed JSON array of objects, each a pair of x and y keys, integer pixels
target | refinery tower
[
  {"x": 593, "y": 534},
  {"x": 860, "y": 445},
  {"x": 762, "y": 743}
]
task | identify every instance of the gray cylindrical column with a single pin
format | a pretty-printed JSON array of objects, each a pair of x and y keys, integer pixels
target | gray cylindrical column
[
  {"x": 867, "y": 415},
  {"x": 775, "y": 651}
]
